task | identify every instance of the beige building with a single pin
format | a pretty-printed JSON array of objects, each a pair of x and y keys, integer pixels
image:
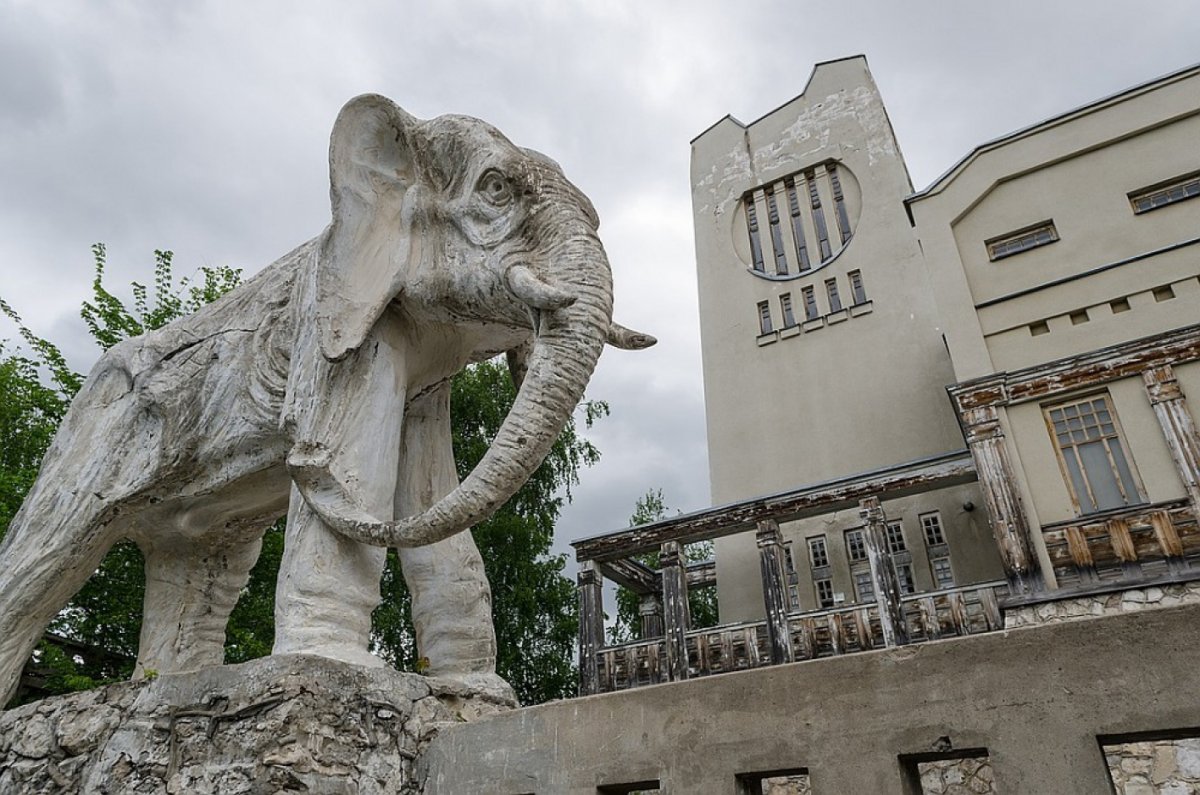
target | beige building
[
  {"x": 1065, "y": 259},
  {"x": 1049, "y": 280},
  {"x": 822, "y": 352}
]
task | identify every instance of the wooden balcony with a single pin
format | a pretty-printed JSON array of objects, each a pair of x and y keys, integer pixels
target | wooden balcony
[
  {"x": 814, "y": 634},
  {"x": 1130, "y": 547}
]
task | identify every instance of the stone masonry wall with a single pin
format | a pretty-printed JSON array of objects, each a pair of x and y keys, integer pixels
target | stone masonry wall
[
  {"x": 1103, "y": 604},
  {"x": 278, "y": 724}
]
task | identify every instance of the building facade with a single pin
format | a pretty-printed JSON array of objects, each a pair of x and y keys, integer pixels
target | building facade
[
  {"x": 1049, "y": 281},
  {"x": 1065, "y": 260},
  {"x": 822, "y": 350}
]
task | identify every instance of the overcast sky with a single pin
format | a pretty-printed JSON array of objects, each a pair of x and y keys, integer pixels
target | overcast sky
[{"x": 202, "y": 127}]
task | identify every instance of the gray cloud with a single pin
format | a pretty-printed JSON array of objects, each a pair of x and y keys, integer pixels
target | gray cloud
[{"x": 203, "y": 127}]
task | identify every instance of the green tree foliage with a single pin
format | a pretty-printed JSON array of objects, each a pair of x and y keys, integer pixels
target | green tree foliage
[
  {"x": 702, "y": 603},
  {"x": 533, "y": 603}
]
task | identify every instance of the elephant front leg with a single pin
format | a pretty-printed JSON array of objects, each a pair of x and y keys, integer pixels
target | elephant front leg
[
  {"x": 451, "y": 599},
  {"x": 328, "y": 586}
]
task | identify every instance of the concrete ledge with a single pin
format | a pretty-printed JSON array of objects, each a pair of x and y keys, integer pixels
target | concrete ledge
[{"x": 1036, "y": 698}]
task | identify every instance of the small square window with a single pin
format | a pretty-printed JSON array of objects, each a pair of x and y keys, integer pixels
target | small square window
[
  {"x": 943, "y": 575},
  {"x": 1039, "y": 328},
  {"x": 785, "y": 308},
  {"x": 835, "y": 301},
  {"x": 1164, "y": 293},
  {"x": 1119, "y": 305},
  {"x": 810, "y": 303},
  {"x": 1040, "y": 234},
  {"x": 764, "y": 318},
  {"x": 856, "y": 545},
  {"x": 863, "y": 586},
  {"x": 824, "y": 592},
  {"x": 856, "y": 287},
  {"x": 931, "y": 525},
  {"x": 1079, "y": 318},
  {"x": 818, "y": 553}
]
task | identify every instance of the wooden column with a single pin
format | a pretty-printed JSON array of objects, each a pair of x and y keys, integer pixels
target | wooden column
[
  {"x": 591, "y": 626},
  {"x": 1178, "y": 427},
  {"x": 676, "y": 616},
  {"x": 775, "y": 596},
  {"x": 651, "y": 611},
  {"x": 998, "y": 484},
  {"x": 884, "y": 579}
]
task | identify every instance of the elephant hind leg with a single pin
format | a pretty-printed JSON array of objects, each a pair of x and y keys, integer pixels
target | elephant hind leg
[
  {"x": 190, "y": 593},
  {"x": 37, "y": 579}
]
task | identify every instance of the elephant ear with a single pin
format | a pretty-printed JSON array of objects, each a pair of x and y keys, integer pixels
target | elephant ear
[{"x": 366, "y": 255}]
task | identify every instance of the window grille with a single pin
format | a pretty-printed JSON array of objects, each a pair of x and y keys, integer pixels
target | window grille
[
  {"x": 1022, "y": 240},
  {"x": 1162, "y": 194}
]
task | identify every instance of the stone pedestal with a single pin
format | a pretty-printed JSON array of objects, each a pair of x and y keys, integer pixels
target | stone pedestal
[{"x": 279, "y": 724}]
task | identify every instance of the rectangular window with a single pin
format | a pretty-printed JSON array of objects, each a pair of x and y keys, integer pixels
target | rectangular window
[
  {"x": 1164, "y": 193},
  {"x": 818, "y": 553},
  {"x": 905, "y": 575},
  {"x": 824, "y": 592},
  {"x": 785, "y": 307},
  {"x": 895, "y": 537},
  {"x": 839, "y": 203},
  {"x": 856, "y": 287},
  {"x": 818, "y": 215},
  {"x": 835, "y": 301},
  {"x": 797, "y": 224},
  {"x": 1088, "y": 440},
  {"x": 788, "y": 561},
  {"x": 1040, "y": 234},
  {"x": 756, "y": 254},
  {"x": 810, "y": 303},
  {"x": 943, "y": 576},
  {"x": 931, "y": 525},
  {"x": 781, "y": 267},
  {"x": 764, "y": 317},
  {"x": 863, "y": 586},
  {"x": 856, "y": 545}
]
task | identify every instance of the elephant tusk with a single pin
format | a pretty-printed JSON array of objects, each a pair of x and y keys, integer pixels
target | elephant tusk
[
  {"x": 628, "y": 339},
  {"x": 535, "y": 292}
]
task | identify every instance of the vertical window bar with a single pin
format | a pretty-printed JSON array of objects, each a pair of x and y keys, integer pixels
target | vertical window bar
[
  {"x": 818, "y": 215},
  {"x": 781, "y": 265},
  {"x": 835, "y": 300},
  {"x": 839, "y": 202},
  {"x": 764, "y": 317},
  {"x": 856, "y": 287},
  {"x": 797, "y": 224},
  {"x": 785, "y": 307},
  {"x": 810, "y": 303},
  {"x": 756, "y": 254}
]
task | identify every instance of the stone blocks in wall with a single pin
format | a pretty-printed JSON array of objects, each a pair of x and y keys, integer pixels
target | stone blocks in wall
[
  {"x": 1103, "y": 604},
  {"x": 275, "y": 724}
]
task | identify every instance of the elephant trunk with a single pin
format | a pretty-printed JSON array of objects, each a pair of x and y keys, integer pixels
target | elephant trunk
[{"x": 567, "y": 345}]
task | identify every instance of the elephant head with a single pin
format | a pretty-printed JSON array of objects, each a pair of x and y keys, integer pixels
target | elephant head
[{"x": 450, "y": 224}]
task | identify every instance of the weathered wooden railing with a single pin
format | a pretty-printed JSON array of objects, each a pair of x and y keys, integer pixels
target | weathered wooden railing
[
  {"x": 819, "y": 633},
  {"x": 1136, "y": 545},
  {"x": 678, "y": 652}
]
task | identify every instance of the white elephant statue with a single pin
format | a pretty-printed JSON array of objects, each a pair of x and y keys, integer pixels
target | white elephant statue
[{"x": 321, "y": 387}]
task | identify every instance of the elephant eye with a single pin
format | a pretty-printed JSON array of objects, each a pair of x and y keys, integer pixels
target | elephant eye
[{"x": 495, "y": 188}]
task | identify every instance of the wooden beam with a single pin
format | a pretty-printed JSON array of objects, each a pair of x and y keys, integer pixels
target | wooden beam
[
  {"x": 914, "y": 477},
  {"x": 1178, "y": 427},
  {"x": 676, "y": 616},
  {"x": 884, "y": 580},
  {"x": 774, "y": 583},
  {"x": 632, "y": 574},
  {"x": 591, "y": 627},
  {"x": 1125, "y": 360}
]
